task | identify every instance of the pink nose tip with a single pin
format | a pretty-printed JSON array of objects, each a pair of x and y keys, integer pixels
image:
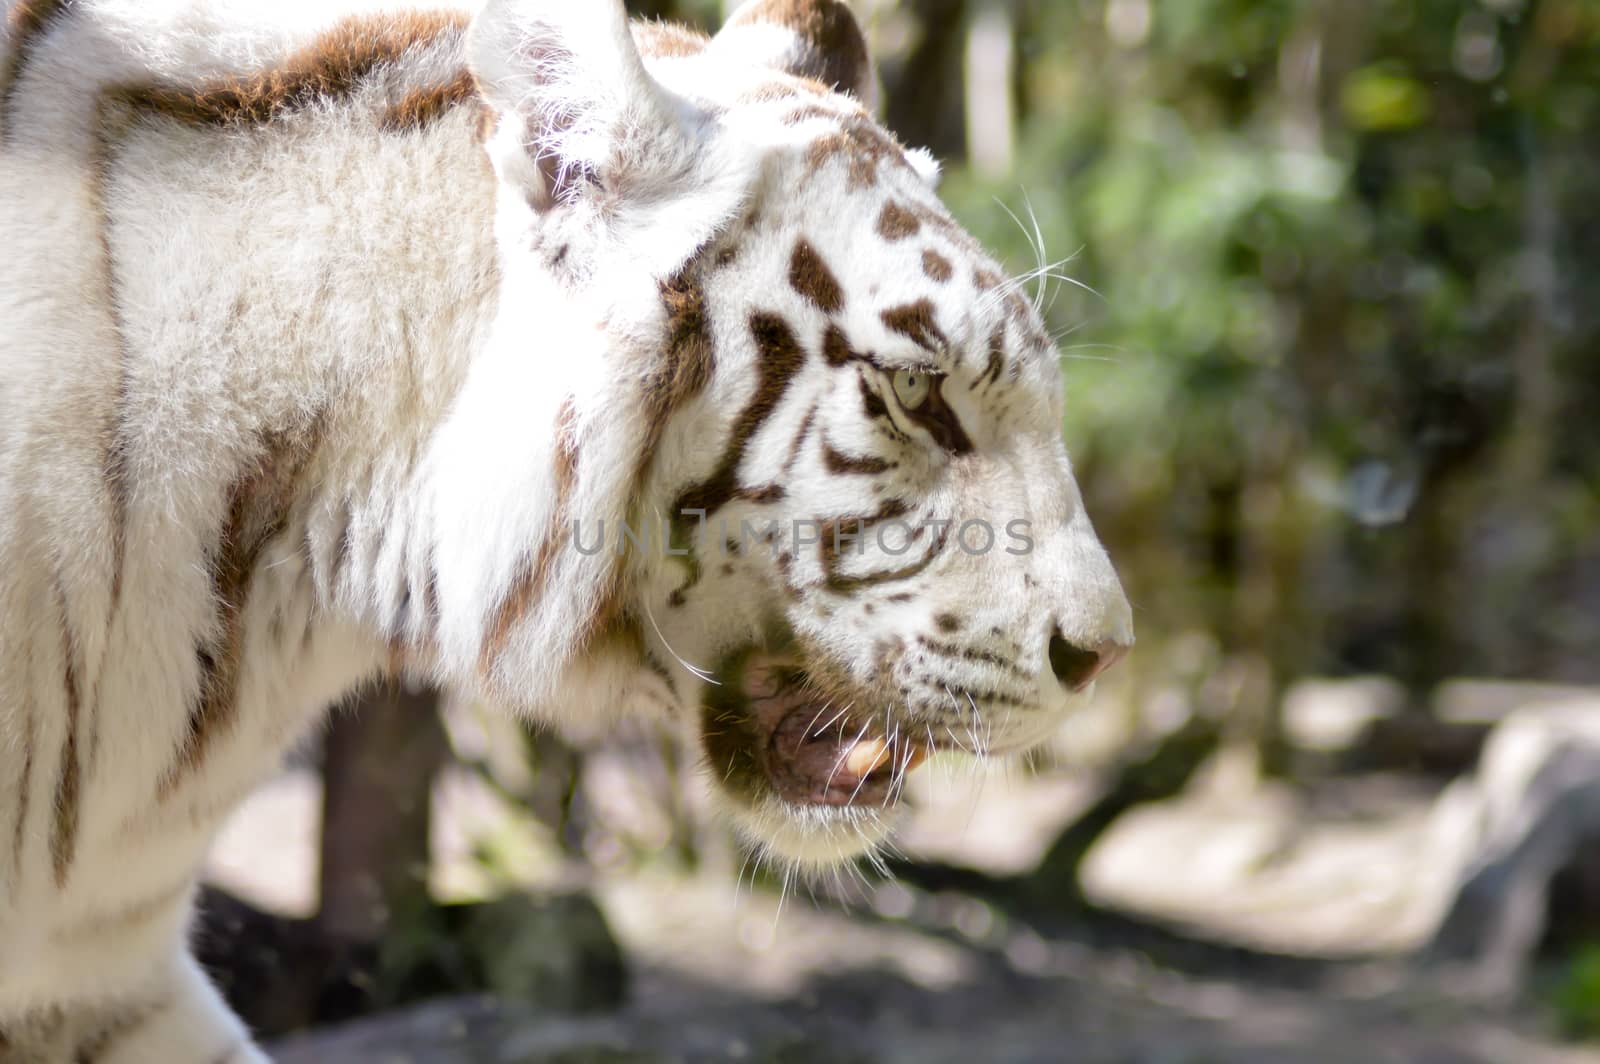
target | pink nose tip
[{"x": 1077, "y": 667}]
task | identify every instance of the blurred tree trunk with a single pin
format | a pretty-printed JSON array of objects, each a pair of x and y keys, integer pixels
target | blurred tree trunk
[
  {"x": 926, "y": 100},
  {"x": 991, "y": 71},
  {"x": 381, "y": 760}
]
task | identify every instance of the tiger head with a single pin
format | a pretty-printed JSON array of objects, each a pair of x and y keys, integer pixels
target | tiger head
[{"x": 824, "y": 428}]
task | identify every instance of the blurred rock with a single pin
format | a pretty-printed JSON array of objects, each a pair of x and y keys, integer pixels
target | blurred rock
[
  {"x": 1334, "y": 870},
  {"x": 1465, "y": 876},
  {"x": 1332, "y": 715},
  {"x": 1492, "y": 701},
  {"x": 1369, "y": 724},
  {"x": 1531, "y": 811}
]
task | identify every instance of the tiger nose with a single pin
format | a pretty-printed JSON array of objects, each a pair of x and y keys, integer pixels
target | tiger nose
[{"x": 1076, "y": 667}]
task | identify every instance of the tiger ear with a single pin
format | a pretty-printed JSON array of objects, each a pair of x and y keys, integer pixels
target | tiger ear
[
  {"x": 818, "y": 39},
  {"x": 575, "y": 109}
]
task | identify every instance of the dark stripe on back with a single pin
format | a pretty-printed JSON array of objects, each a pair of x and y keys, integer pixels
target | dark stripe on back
[
  {"x": 333, "y": 66},
  {"x": 779, "y": 358},
  {"x": 420, "y": 107}
]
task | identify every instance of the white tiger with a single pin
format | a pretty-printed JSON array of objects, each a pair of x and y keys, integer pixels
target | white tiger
[{"x": 332, "y": 343}]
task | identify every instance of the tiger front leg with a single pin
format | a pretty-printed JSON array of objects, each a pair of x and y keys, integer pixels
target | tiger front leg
[{"x": 176, "y": 1018}]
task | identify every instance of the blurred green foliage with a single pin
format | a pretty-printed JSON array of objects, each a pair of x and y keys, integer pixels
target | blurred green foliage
[
  {"x": 1576, "y": 996},
  {"x": 1334, "y": 396}
]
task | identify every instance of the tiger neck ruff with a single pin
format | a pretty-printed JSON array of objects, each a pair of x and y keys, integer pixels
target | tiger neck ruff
[{"x": 583, "y": 367}]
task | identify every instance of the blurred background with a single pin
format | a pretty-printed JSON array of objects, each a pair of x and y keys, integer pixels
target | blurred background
[{"x": 1332, "y": 351}]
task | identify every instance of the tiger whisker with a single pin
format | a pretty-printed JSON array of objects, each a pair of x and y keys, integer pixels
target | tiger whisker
[
  {"x": 834, "y": 719},
  {"x": 703, "y": 674},
  {"x": 826, "y": 706}
]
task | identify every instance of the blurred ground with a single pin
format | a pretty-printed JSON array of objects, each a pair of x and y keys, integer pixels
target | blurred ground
[{"x": 1319, "y": 889}]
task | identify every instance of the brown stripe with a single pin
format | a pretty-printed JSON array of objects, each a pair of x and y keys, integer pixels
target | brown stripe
[
  {"x": 986, "y": 657},
  {"x": 27, "y": 24},
  {"x": 836, "y": 346},
  {"x": 997, "y": 356},
  {"x": 936, "y": 266},
  {"x": 683, "y": 370},
  {"x": 533, "y": 574},
  {"x": 688, "y": 358},
  {"x": 810, "y": 111},
  {"x": 919, "y": 323},
  {"x": 872, "y": 403},
  {"x": 667, "y": 39},
  {"x": 862, "y": 146},
  {"x": 421, "y": 107},
  {"x": 896, "y": 223},
  {"x": 800, "y": 438},
  {"x": 979, "y": 697},
  {"x": 24, "y": 791},
  {"x": 116, "y": 466},
  {"x": 842, "y": 464},
  {"x": 834, "y": 540},
  {"x": 258, "y": 510},
  {"x": 845, "y": 585},
  {"x": 115, "y": 472},
  {"x": 939, "y": 420},
  {"x": 64, "y": 835},
  {"x": 332, "y": 66},
  {"x": 778, "y": 360},
  {"x": 810, "y": 276}
]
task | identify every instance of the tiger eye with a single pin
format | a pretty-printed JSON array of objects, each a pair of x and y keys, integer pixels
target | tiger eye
[{"x": 912, "y": 388}]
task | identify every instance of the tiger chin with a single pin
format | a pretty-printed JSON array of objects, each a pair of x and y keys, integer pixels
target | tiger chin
[{"x": 580, "y": 366}]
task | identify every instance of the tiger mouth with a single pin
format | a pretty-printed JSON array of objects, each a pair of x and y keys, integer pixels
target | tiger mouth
[{"x": 774, "y": 733}]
